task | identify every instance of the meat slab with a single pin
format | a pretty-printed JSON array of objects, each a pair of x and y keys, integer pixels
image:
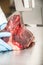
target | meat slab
[{"x": 20, "y": 38}]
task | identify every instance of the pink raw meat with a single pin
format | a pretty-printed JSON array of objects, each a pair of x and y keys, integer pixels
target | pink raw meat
[{"x": 20, "y": 36}]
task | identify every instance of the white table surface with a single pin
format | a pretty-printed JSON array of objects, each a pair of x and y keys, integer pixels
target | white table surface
[{"x": 30, "y": 56}]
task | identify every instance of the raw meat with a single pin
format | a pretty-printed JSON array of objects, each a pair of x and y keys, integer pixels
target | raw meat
[{"x": 20, "y": 38}]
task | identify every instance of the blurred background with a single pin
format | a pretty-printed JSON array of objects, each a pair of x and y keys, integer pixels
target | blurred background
[
  {"x": 35, "y": 16},
  {"x": 7, "y": 6}
]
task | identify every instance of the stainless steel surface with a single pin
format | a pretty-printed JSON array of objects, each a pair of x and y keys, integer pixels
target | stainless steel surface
[
  {"x": 35, "y": 25},
  {"x": 30, "y": 56}
]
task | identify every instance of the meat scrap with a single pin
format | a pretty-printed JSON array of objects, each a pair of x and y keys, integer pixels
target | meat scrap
[{"x": 20, "y": 38}]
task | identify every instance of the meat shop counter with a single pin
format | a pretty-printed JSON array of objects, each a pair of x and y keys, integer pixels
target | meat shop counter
[{"x": 30, "y": 56}]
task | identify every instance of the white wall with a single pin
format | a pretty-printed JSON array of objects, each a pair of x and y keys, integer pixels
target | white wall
[
  {"x": 31, "y": 17},
  {"x": 42, "y": 15},
  {"x": 42, "y": 12},
  {"x": 34, "y": 16}
]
